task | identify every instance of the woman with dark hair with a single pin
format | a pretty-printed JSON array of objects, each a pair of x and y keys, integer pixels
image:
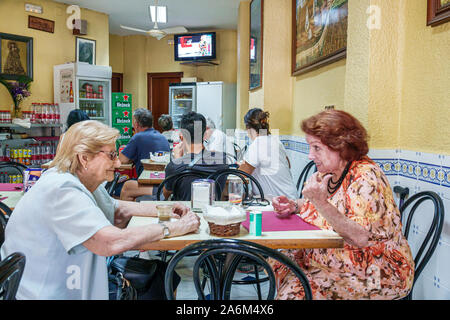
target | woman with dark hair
[
  {"x": 350, "y": 195},
  {"x": 266, "y": 158},
  {"x": 166, "y": 124},
  {"x": 75, "y": 116}
]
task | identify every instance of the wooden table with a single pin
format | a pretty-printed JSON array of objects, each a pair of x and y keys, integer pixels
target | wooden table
[
  {"x": 148, "y": 177},
  {"x": 275, "y": 240},
  {"x": 12, "y": 199},
  {"x": 153, "y": 166}
]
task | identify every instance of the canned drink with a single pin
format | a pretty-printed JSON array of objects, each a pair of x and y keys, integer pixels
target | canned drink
[
  {"x": 255, "y": 223},
  {"x": 14, "y": 179}
]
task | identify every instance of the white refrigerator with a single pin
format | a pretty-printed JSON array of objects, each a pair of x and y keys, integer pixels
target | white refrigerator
[
  {"x": 217, "y": 100},
  {"x": 83, "y": 86}
]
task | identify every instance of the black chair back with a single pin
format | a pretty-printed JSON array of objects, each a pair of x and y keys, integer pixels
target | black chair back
[
  {"x": 304, "y": 175},
  {"x": 241, "y": 174},
  {"x": 431, "y": 240},
  {"x": 177, "y": 177},
  {"x": 18, "y": 167},
  {"x": 5, "y": 213},
  {"x": 221, "y": 276},
  {"x": 110, "y": 186},
  {"x": 11, "y": 271}
]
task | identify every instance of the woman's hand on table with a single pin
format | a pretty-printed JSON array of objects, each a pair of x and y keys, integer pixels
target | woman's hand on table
[
  {"x": 179, "y": 210},
  {"x": 283, "y": 206},
  {"x": 188, "y": 223}
]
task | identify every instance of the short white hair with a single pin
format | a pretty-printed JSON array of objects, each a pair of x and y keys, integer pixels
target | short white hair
[{"x": 210, "y": 123}]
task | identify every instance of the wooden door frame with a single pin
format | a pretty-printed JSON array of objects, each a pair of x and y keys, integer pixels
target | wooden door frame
[
  {"x": 120, "y": 76},
  {"x": 156, "y": 75}
]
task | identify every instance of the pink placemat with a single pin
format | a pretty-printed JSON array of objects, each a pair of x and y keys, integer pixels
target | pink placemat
[
  {"x": 11, "y": 186},
  {"x": 270, "y": 222},
  {"x": 158, "y": 176}
]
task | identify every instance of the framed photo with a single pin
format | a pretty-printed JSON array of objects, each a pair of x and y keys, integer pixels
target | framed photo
[
  {"x": 85, "y": 50},
  {"x": 256, "y": 39},
  {"x": 438, "y": 12},
  {"x": 16, "y": 56},
  {"x": 41, "y": 24},
  {"x": 319, "y": 33}
]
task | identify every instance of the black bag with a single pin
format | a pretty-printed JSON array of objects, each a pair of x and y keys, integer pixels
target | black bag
[{"x": 144, "y": 276}]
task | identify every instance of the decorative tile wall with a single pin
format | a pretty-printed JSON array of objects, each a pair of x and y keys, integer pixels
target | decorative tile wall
[{"x": 418, "y": 171}]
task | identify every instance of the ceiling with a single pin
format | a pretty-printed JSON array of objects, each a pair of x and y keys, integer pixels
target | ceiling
[{"x": 195, "y": 15}]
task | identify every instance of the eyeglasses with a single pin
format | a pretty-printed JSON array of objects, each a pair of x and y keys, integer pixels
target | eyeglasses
[{"x": 112, "y": 154}]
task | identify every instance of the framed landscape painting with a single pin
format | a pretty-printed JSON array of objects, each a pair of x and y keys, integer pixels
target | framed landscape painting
[{"x": 319, "y": 33}]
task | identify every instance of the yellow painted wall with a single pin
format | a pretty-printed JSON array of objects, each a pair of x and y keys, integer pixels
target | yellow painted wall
[
  {"x": 425, "y": 108},
  {"x": 50, "y": 49},
  {"x": 243, "y": 53},
  {"x": 142, "y": 54},
  {"x": 394, "y": 80}
]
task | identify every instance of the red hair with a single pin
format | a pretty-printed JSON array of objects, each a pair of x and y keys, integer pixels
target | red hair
[{"x": 340, "y": 131}]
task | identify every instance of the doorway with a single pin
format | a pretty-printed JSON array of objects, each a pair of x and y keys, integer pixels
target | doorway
[
  {"x": 117, "y": 82},
  {"x": 158, "y": 93}
]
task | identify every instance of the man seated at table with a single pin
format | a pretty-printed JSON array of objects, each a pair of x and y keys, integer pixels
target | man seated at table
[
  {"x": 217, "y": 140},
  {"x": 190, "y": 152},
  {"x": 145, "y": 140}
]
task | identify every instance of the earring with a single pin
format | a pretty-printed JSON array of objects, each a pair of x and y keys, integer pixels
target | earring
[{"x": 85, "y": 168}]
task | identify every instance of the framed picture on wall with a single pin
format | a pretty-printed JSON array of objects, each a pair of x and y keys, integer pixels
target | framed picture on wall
[
  {"x": 256, "y": 47},
  {"x": 319, "y": 33},
  {"x": 438, "y": 12},
  {"x": 16, "y": 56},
  {"x": 85, "y": 50}
]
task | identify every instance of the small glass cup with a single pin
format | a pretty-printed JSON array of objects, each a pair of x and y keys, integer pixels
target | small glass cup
[
  {"x": 164, "y": 212},
  {"x": 235, "y": 190}
]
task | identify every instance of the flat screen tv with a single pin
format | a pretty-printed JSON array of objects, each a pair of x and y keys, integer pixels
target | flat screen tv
[{"x": 195, "y": 46}]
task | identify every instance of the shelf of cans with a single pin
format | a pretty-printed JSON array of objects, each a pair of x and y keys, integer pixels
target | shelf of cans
[
  {"x": 88, "y": 92},
  {"x": 33, "y": 154},
  {"x": 10, "y": 178}
]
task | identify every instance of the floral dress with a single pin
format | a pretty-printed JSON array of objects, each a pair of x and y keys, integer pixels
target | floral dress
[{"x": 382, "y": 270}]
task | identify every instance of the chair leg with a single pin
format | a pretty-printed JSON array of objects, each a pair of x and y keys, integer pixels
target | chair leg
[{"x": 258, "y": 286}]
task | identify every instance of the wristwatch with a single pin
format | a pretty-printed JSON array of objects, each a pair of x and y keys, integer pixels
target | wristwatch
[{"x": 166, "y": 230}]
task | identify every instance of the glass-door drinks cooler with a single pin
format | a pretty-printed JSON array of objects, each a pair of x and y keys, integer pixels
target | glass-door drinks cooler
[
  {"x": 182, "y": 99},
  {"x": 83, "y": 86}
]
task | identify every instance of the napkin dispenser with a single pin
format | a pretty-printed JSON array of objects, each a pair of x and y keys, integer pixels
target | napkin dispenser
[{"x": 202, "y": 194}]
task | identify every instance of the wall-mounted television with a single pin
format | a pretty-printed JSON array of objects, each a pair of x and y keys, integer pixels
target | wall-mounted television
[{"x": 195, "y": 46}]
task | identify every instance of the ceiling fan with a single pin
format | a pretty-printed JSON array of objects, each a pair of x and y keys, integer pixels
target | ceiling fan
[{"x": 156, "y": 32}]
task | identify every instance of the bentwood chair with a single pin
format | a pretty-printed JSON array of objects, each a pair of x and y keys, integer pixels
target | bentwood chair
[
  {"x": 109, "y": 186},
  {"x": 218, "y": 175},
  {"x": 221, "y": 272},
  {"x": 5, "y": 213},
  {"x": 431, "y": 240},
  {"x": 11, "y": 271},
  {"x": 16, "y": 166},
  {"x": 176, "y": 178},
  {"x": 304, "y": 175}
]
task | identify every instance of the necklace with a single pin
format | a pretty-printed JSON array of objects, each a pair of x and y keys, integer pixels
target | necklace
[{"x": 333, "y": 186}]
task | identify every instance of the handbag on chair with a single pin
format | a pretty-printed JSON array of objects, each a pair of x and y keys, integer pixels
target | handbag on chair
[{"x": 144, "y": 276}]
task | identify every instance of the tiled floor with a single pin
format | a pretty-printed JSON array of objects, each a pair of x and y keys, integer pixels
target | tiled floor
[{"x": 186, "y": 289}]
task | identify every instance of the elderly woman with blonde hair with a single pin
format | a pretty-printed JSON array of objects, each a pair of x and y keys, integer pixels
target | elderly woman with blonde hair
[{"x": 66, "y": 224}]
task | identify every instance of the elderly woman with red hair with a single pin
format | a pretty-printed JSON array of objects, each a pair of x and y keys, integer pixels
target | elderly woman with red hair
[{"x": 350, "y": 195}]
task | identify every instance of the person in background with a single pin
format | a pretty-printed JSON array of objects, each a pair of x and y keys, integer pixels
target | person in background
[
  {"x": 166, "y": 124},
  {"x": 349, "y": 195},
  {"x": 74, "y": 116},
  {"x": 67, "y": 224},
  {"x": 144, "y": 141},
  {"x": 216, "y": 140},
  {"x": 191, "y": 152},
  {"x": 266, "y": 158}
]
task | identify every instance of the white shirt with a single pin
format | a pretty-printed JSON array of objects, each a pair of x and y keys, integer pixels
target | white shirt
[
  {"x": 268, "y": 156},
  {"x": 219, "y": 142},
  {"x": 49, "y": 225}
]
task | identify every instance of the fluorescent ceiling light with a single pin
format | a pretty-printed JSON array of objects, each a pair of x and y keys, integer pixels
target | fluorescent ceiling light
[
  {"x": 161, "y": 13},
  {"x": 33, "y": 8}
]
